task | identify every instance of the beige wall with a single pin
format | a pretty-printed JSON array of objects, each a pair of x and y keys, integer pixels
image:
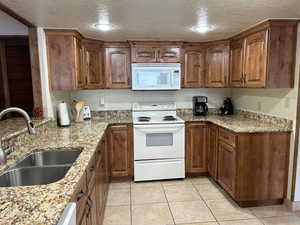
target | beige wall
[
  {"x": 123, "y": 99},
  {"x": 277, "y": 102}
]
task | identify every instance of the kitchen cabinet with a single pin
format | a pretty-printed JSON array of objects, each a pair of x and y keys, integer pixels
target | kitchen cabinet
[
  {"x": 93, "y": 65},
  {"x": 91, "y": 192},
  {"x": 196, "y": 147},
  {"x": 264, "y": 56},
  {"x": 120, "y": 150},
  {"x": 155, "y": 52},
  {"x": 144, "y": 54},
  {"x": 117, "y": 68},
  {"x": 227, "y": 167},
  {"x": 194, "y": 69},
  {"x": 255, "y": 59},
  {"x": 212, "y": 151},
  {"x": 236, "y": 63},
  {"x": 217, "y": 65},
  {"x": 251, "y": 167},
  {"x": 64, "y": 53},
  {"x": 168, "y": 55},
  {"x": 80, "y": 198}
]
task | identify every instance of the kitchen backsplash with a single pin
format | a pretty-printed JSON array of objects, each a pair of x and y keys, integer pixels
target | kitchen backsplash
[{"x": 123, "y": 99}]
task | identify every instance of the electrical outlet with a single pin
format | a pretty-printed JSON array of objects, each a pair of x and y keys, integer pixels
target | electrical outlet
[{"x": 102, "y": 102}]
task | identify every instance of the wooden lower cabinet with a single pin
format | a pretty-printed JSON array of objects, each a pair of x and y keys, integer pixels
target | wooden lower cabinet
[
  {"x": 251, "y": 167},
  {"x": 120, "y": 150},
  {"x": 212, "y": 151},
  {"x": 91, "y": 193},
  {"x": 196, "y": 145},
  {"x": 227, "y": 167}
]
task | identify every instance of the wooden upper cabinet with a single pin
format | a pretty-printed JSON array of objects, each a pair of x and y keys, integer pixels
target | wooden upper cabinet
[
  {"x": 120, "y": 150},
  {"x": 168, "y": 55},
  {"x": 93, "y": 62},
  {"x": 264, "y": 55},
  {"x": 256, "y": 60},
  {"x": 217, "y": 65},
  {"x": 64, "y": 59},
  {"x": 196, "y": 147},
  {"x": 144, "y": 54},
  {"x": 236, "y": 78},
  {"x": 194, "y": 71},
  {"x": 155, "y": 52},
  {"x": 117, "y": 68}
]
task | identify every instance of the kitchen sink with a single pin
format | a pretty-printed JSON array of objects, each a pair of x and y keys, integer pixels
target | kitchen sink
[
  {"x": 51, "y": 157},
  {"x": 33, "y": 175}
]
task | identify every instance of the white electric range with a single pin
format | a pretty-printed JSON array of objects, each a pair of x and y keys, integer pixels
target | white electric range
[{"x": 159, "y": 142}]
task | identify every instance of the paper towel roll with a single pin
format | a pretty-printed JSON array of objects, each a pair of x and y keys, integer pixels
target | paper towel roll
[{"x": 63, "y": 114}]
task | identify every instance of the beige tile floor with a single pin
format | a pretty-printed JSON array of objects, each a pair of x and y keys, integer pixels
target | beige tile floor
[{"x": 193, "y": 201}]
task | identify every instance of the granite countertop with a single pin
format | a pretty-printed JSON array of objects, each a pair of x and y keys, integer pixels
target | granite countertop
[
  {"x": 16, "y": 126},
  {"x": 240, "y": 124},
  {"x": 44, "y": 204}
]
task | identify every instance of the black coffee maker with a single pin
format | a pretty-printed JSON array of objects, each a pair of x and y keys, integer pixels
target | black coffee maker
[
  {"x": 200, "y": 106},
  {"x": 227, "y": 107}
]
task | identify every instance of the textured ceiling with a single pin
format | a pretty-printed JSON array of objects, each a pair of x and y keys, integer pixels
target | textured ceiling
[{"x": 154, "y": 19}]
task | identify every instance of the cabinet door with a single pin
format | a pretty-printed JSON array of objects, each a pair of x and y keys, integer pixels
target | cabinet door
[
  {"x": 117, "y": 67},
  {"x": 236, "y": 78},
  {"x": 256, "y": 60},
  {"x": 169, "y": 55},
  {"x": 227, "y": 167},
  {"x": 63, "y": 53},
  {"x": 94, "y": 212},
  {"x": 217, "y": 66},
  {"x": 93, "y": 63},
  {"x": 196, "y": 144},
  {"x": 120, "y": 150},
  {"x": 143, "y": 54},
  {"x": 80, "y": 198},
  {"x": 79, "y": 64},
  {"x": 194, "y": 73},
  {"x": 212, "y": 151}
]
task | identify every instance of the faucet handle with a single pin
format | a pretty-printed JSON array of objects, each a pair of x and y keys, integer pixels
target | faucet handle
[{"x": 2, "y": 157}]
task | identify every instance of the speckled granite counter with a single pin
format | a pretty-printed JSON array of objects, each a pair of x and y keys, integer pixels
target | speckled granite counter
[
  {"x": 242, "y": 122},
  {"x": 12, "y": 127},
  {"x": 44, "y": 204}
]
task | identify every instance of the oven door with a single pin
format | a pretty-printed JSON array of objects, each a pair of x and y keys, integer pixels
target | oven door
[{"x": 159, "y": 141}]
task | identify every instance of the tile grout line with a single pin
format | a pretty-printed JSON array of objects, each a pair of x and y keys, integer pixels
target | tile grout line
[
  {"x": 212, "y": 182},
  {"x": 205, "y": 203},
  {"x": 168, "y": 203},
  {"x": 130, "y": 203}
]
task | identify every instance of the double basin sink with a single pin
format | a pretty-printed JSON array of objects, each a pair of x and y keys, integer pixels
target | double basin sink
[{"x": 42, "y": 167}]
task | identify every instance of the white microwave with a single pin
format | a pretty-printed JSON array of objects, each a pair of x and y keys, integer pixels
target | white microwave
[{"x": 156, "y": 76}]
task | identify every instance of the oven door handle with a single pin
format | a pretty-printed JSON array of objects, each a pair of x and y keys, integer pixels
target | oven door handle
[{"x": 159, "y": 130}]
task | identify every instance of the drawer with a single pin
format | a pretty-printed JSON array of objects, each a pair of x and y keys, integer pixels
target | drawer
[{"x": 227, "y": 137}]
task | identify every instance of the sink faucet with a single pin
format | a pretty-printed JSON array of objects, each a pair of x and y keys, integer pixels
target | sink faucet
[{"x": 30, "y": 127}]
